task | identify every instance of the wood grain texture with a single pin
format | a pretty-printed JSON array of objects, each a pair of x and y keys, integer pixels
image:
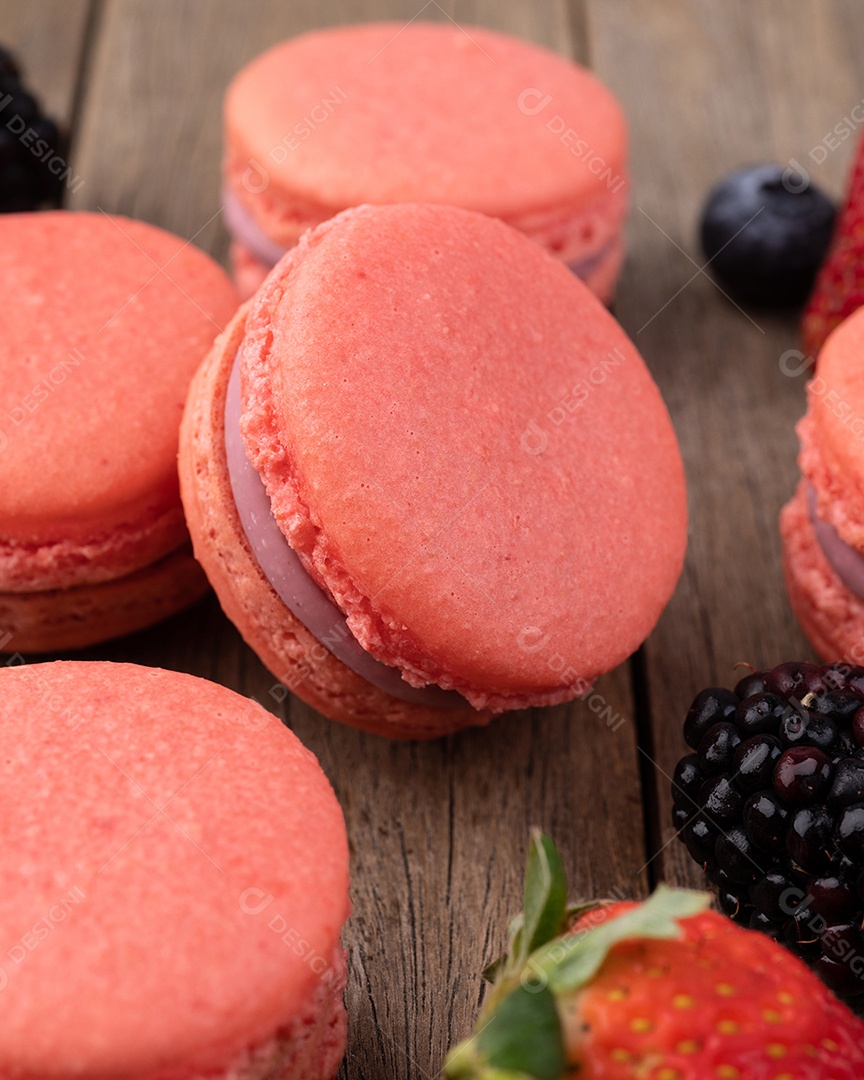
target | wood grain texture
[
  {"x": 707, "y": 87},
  {"x": 438, "y": 831}
]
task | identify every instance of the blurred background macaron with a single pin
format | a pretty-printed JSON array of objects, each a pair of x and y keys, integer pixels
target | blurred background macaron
[
  {"x": 103, "y": 323},
  {"x": 424, "y": 112},
  {"x": 175, "y": 881},
  {"x": 823, "y": 524},
  {"x": 429, "y": 476}
]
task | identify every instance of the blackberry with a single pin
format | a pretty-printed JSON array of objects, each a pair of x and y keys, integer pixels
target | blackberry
[
  {"x": 771, "y": 803},
  {"x": 32, "y": 147}
]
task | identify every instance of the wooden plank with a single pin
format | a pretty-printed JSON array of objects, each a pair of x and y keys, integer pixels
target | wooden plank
[
  {"x": 707, "y": 87},
  {"x": 48, "y": 39},
  {"x": 438, "y": 831}
]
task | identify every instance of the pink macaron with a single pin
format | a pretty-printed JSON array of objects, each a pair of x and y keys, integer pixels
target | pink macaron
[
  {"x": 103, "y": 323},
  {"x": 424, "y": 112},
  {"x": 429, "y": 476},
  {"x": 823, "y": 525},
  {"x": 175, "y": 881}
]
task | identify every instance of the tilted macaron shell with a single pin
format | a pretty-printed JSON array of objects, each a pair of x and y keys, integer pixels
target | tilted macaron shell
[
  {"x": 249, "y": 271},
  {"x": 163, "y": 799},
  {"x": 103, "y": 324},
  {"x": 832, "y": 433},
  {"x": 80, "y": 615},
  {"x": 394, "y": 369},
  {"x": 357, "y": 114},
  {"x": 295, "y": 657},
  {"x": 831, "y": 616},
  {"x": 832, "y": 462}
]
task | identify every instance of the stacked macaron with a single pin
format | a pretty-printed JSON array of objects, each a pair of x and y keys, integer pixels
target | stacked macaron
[
  {"x": 175, "y": 880},
  {"x": 429, "y": 476},
  {"x": 823, "y": 525},
  {"x": 103, "y": 323},
  {"x": 424, "y": 112}
]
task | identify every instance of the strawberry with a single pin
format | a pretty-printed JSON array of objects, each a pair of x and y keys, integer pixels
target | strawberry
[
  {"x": 663, "y": 990},
  {"x": 839, "y": 287}
]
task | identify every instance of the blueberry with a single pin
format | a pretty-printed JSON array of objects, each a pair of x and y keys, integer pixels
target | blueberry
[
  {"x": 8, "y": 66},
  {"x": 765, "y": 233},
  {"x": 30, "y": 142}
]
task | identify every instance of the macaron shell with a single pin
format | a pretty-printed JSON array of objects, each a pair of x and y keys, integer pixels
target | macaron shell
[
  {"x": 73, "y": 618},
  {"x": 68, "y": 561},
  {"x": 249, "y": 272},
  {"x": 296, "y": 658},
  {"x": 98, "y": 347},
  {"x": 832, "y": 433},
  {"x": 178, "y": 822},
  {"x": 397, "y": 367},
  {"x": 356, "y": 114},
  {"x": 831, "y": 616}
]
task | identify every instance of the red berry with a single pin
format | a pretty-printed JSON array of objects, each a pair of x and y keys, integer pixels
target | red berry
[{"x": 839, "y": 287}]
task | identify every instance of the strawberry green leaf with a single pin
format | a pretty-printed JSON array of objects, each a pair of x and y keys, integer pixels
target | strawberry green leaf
[
  {"x": 545, "y": 895},
  {"x": 572, "y": 961},
  {"x": 544, "y": 898},
  {"x": 492, "y": 971},
  {"x": 524, "y": 1035}
]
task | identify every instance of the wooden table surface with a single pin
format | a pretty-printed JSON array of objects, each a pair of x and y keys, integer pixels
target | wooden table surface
[{"x": 439, "y": 831}]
